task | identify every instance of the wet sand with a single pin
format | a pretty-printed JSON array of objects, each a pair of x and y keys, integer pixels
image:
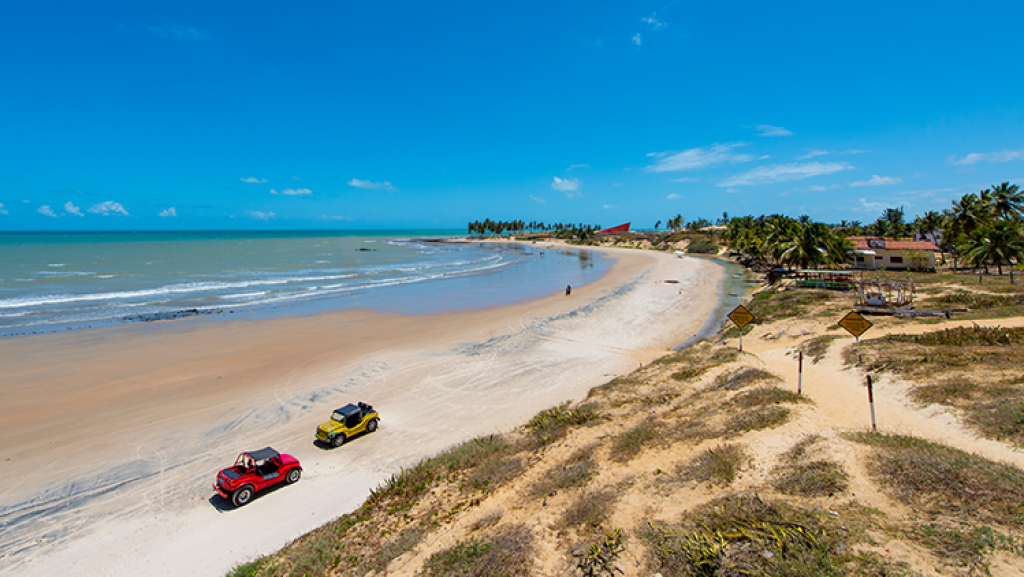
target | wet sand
[{"x": 110, "y": 439}]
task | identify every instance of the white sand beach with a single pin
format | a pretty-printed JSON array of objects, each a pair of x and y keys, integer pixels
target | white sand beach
[{"x": 111, "y": 438}]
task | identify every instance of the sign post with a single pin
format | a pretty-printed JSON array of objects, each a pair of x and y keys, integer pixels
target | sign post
[
  {"x": 871, "y": 401},
  {"x": 856, "y": 325},
  {"x": 800, "y": 374},
  {"x": 742, "y": 317}
]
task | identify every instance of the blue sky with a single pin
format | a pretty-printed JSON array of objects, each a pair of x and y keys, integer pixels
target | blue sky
[{"x": 160, "y": 115}]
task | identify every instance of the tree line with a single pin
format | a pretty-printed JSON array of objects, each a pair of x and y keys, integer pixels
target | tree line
[
  {"x": 499, "y": 227},
  {"x": 980, "y": 229}
]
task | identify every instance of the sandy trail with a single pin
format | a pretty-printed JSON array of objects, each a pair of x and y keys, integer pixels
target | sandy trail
[
  {"x": 111, "y": 439},
  {"x": 840, "y": 394}
]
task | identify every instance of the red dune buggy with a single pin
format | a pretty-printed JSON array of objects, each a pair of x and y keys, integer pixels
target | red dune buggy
[{"x": 255, "y": 471}]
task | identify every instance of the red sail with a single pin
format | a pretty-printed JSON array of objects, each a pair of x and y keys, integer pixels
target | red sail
[{"x": 620, "y": 228}]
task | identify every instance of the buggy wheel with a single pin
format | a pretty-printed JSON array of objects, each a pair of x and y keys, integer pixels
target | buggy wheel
[
  {"x": 372, "y": 425},
  {"x": 293, "y": 475},
  {"x": 338, "y": 440},
  {"x": 242, "y": 496}
]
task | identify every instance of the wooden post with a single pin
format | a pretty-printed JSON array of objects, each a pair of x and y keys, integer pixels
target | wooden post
[
  {"x": 858, "y": 351},
  {"x": 871, "y": 401},
  {"x": 741, "y": 339},
  {"x": 800, "y": 374}
]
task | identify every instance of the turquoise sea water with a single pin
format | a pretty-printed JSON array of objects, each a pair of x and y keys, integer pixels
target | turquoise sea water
[{"x": 59, "y": 281}]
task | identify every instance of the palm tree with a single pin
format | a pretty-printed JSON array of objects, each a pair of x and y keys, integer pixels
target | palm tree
[
  {"x": 928, "y": 223},
  {"x": 779, "y": 230},
  {"x": 967, "y": 214},
  {"x": 808, "y": 247},
  {"x": 1007, "y": 201},
  {"x": 999, "y": 243}
]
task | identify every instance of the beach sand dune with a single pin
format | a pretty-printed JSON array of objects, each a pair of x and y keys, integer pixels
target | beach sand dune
[{"x": 111, "y": 438}]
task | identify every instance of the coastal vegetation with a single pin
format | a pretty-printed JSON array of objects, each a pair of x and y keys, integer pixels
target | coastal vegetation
[
  {"x": 560, "y": 230},
  {"x": 707, "y": 461},
  {"x": 980, "y": 230}
]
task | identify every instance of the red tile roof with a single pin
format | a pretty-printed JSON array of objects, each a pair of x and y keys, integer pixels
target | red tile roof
[{"x": 861, "y": 243}]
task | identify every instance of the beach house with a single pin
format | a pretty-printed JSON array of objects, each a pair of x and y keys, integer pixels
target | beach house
[{"x": 875, "y": 253}]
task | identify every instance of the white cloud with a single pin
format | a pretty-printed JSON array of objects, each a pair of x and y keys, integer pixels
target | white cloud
[
  {"x": 637, "y": 40},
  {"x": 697, "y": 158},
  {"x": 684, "y": 179},
  {"x": 878, "y": 181},
  {"x": 813, "y": 153},
  {"x": 784, "y": 172},
  {"x": 673, "y": 196},
  {"x": 609, "y": 206},
  {"x": 654, "y": 22},
  {"x": 168, "y": 212},
  {"x": 325, "y": 217},
  {"x": 566, "y": 184},
  {"x": 261, "y": 215},
  {"x": 179, "y": 32},
  {"x": 358, "y": 183},
  {"x": 872, "y": 206},
  {"x": 292, "y": 191},
  {"x": 538, "y": 200},
  {"x": 2, "y": 210},
  {"x": 296, "y": 178},
  {"x": 572, "y": 166},
  {"x": 45, "y": 210},
  {"x": 1002, "y": 156},
  {"x": 108, "y": 207},
  {"x": 817, "y": 188},
  {"x": 769, "y": 130},
  {"x": 70, "y": 208},
  {"x": 253, "y": 180}
]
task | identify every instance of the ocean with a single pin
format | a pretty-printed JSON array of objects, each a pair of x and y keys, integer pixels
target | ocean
[{"x": 57, "y": 281}]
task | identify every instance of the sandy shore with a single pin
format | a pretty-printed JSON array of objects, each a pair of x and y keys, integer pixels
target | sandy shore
[{"x": 109, "y": 439}]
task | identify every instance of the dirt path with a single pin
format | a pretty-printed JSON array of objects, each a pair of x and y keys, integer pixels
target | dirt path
[{"x": 840, "y": 395}]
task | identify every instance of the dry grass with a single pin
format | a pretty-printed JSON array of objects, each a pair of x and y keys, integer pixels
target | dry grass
[
  {"x": 978, "y": 370},
  {"x": 941, "y": 353},
  {"x": 589, "y": 510},
  {"x": 574, "y": 473},
  {"x": 944, "y": 481},
  {"x": 999, "y": 419},
  {"x": 763, "y": 418},
  {"x": 629, "y": 444},
  {"x": 747, "y": 535},
  {"x": 508, "y": 552},
  {"x": 742, "y": 377},
  {"x": 967, "y": 547},
  {"x": 816, "y": 348},
  {"x": 719, "y": 464},
  {"x": 764, "y": 396},
  {"x": 801, "y": 475}
]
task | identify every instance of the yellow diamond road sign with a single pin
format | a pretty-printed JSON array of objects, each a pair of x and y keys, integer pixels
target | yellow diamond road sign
[
  {"x": 855, "y": 324},
  {"x": 741, "y": 316}
]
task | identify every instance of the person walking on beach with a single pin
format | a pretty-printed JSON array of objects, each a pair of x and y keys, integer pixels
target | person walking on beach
[{"x": 568, "y": 290}]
